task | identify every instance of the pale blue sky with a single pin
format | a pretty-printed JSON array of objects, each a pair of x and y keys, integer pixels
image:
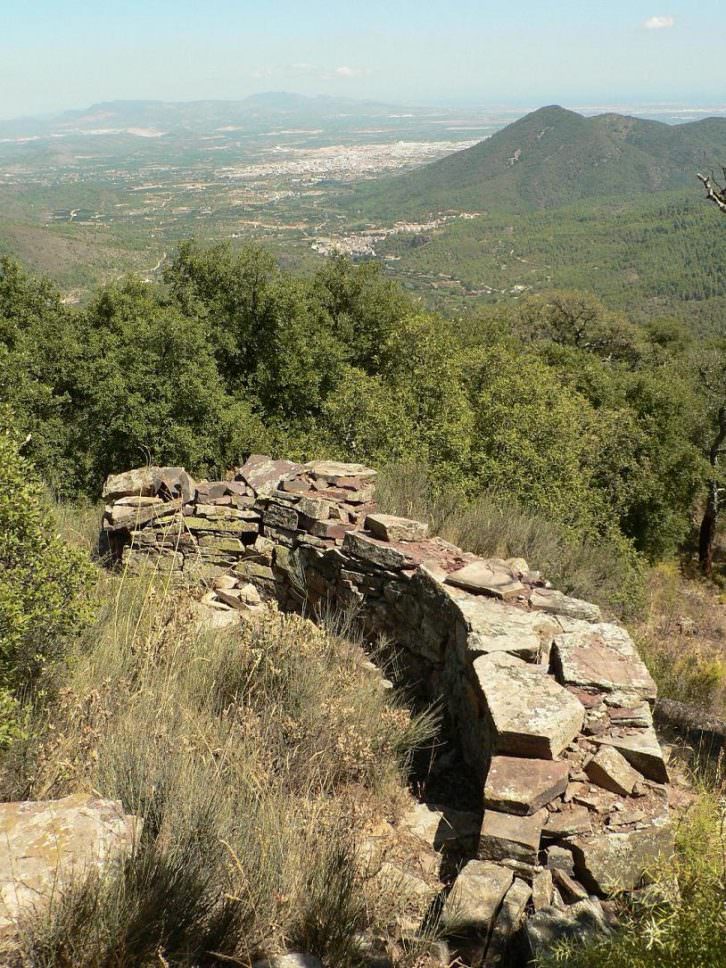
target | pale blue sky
[{"x": 57, "y": 54}]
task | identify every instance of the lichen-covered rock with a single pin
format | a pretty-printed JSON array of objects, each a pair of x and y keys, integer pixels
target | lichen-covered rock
[
  {"x": 388, "y": 527},
  {"x": 45, "y": 844},
  {"x": 476, "y": 896},
  {"x": 602, "y": 656},
  {"x": 531, "y": 714},
  {"x": 616, "y": 861}
]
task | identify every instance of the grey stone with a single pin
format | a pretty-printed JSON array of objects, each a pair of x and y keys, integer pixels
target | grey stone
[
  {"x": 560, "y": 858},
  {"x": 641, "y": 749},
  {"x": 610, "y": 770},
  {"x": 388, "y": 527},
  {"x": 263, "y": 474},
  {"x": 506, "y": 836},
  {"x": 480, "y": 577},
  {"x": 375, "y": 552},
  {"x": 492, "y": 626},
  {"x": 331, "y": 471},
  {"x": 508, "y": 922},
  {"x": 602, "y": 656},
  {"x": 523, "y": 786},
  {"x": 441, "y": 826},
  {"x": 579, "y": 923},
  {"x": 613, "y": 861},
  {"x": 45, "y": 844},
  {"x": 567, "y": 822},
  {"x": 476, "y": 896},
  {"x": 542, "y": 889},
  {"x": 557, "y": 603},
  {"x": 531, "y": 714}
]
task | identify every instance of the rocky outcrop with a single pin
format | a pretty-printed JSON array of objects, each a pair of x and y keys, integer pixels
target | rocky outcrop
[
  {"x": 44, "y": 845},
  {"x": 550, "y": 704}
]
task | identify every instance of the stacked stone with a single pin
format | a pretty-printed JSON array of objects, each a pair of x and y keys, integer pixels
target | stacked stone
[{"x": 550, "y": 705}]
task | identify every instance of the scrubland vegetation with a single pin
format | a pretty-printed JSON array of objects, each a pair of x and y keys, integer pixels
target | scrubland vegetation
[{"x": 556, "y": 430}]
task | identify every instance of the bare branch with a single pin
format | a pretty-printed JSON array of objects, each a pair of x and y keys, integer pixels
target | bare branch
[{"x": 714, "y": 192}]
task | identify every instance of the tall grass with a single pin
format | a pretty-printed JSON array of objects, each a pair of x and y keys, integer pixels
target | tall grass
[
  {"x": 256, "y": 758},
  {"x": 605, "y": 570}
]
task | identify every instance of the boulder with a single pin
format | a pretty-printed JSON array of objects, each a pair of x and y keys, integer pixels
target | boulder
[
  {"x": 48, "y": 843},
  {"x": 531, "y": 715},
  {"x": 523, "y": 786}
]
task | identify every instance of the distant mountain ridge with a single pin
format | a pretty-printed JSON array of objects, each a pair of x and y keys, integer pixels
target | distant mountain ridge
[
  {"x": 193, "y": 115},
  {"x": 552, "y": 157}
]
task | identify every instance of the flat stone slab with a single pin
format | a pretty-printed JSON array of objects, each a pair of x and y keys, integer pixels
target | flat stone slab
[
  {"x": 493, "y": 626},
  {"x": 46, "y": 843},
  {"x": 611, "y": 771},
  {"x": 567, "y": 822},
  {"x": 504, "y": 836},
  {"x": 531, "y": 714},
  {"x": 603, "y": 656},
  {"x": 375, "y": 552},
  {"x": 608, "y": 862},
  {"x": 482, "y": 578},
  {"x": 476, "y": 896},
  {"x": 641, "y": 749},
  {"x": 332, "y": 471},
  {"x": 557, "y": 603},
  {"x": 388, "y": 527},
  {"x": 263, "y": 474},
  {"x": 523, "y": 786}
]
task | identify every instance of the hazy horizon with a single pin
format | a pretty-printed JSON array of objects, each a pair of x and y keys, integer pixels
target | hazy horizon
[{"x": 67, "y": 54}]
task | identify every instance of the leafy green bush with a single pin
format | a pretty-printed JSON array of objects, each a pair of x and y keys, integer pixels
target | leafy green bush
[{"x": 42, "y": 582}]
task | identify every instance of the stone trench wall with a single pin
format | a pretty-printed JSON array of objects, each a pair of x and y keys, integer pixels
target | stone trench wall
[{"x": 550, "y": 704}]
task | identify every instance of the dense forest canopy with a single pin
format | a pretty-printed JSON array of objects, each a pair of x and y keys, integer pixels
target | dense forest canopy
[{"x": 551, "y": 401}]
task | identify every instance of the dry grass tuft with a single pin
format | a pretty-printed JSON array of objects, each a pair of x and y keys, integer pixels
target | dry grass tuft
[{"x": 257, "y": 759}]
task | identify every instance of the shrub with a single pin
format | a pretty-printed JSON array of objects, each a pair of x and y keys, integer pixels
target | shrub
[{"x": 42, "y": 581}]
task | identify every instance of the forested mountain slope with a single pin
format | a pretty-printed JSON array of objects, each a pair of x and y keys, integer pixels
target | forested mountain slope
[{"x": 553, "y": 157}]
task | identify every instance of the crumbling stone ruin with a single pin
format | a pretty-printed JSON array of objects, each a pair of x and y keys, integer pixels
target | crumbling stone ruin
[{"x": 549, "y": 706}]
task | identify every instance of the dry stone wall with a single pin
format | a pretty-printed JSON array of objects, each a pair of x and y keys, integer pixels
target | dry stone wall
[{"x": 551, "y": 705}]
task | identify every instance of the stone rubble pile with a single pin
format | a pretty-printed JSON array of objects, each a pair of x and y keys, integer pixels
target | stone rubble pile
[{"x": 551, "y": 705}]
